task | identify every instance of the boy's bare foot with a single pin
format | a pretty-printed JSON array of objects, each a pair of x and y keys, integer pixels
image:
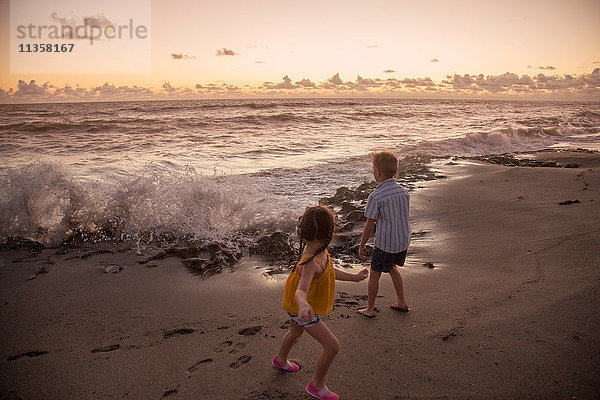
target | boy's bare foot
[
  {"x": 400, "y": 308},
  {"x": 365, "y": 312}
]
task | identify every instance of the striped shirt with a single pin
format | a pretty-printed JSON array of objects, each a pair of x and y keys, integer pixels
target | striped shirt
[{"x": 388, "y": 205}]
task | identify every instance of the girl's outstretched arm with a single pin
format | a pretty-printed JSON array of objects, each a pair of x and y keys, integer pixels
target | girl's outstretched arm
[{"x": 346, "y": 276}]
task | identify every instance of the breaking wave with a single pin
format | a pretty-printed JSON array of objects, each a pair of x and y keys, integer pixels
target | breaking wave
[{"x": 42, "y": 202}]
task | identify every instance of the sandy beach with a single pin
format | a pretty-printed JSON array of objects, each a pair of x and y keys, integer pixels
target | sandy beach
[{"x": 509, "y": 311}]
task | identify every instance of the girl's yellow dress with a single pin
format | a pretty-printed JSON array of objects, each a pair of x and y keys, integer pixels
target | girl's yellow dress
[{"x": 320, "y": 293}]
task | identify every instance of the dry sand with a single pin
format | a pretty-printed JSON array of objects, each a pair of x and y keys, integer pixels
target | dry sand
[{"x": 510, "y": 310}]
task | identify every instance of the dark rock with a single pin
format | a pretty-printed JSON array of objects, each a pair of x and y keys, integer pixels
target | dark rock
[
  {"x": 19, "y": 243},
  {"x": 368, "y": 249},
  {"x": 572, "y": 165},
  {"x": 509, "y": 160},
  {"x": 341, "y": 244},
  {"x": 205, "y": 267},
  {"x": 347, "y": 207},
  {"x": 355, "y": 216},
  {"x": 414, "y": 166},
  {"x": 429, "y": 265},
  {"x": 204, "y": 260},
  {"x": 342, "y": 194},
  {"x": 363, "y": 191},
  {"x": 197, "y": 262},
  {"x": 230, "y": 254},
  {"x": 113, "y": 268},
  {"x": 278, "y": 244},
  {"x": 567, "y": 202},
  {"x": 345, "y": 240},
  {"x": 348, "y": 226}
]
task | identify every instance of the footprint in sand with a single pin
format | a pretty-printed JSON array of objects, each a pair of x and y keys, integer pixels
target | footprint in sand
[
  {"x": 178, "y": 332},
  {"x": 195, "y": 367},
  {"x": 29, "y": 354},
  {"x": 223, "y": 346},
  {"x": 106, "y": 349},
  {"x": 240, "y": 361},
  {"x": 237, "y": 347},
  {"x": 250, "y": 331},
  {"x": 169, "y": 392}
]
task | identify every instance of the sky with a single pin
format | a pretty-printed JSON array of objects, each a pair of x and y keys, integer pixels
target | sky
[{"x": 210, "y": 49}]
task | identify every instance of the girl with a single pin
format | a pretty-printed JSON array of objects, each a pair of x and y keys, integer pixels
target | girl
[{"x": 309, "y": 293}]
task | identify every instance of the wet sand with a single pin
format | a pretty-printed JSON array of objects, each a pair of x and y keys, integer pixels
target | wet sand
[{"x": 510, "y": 309}]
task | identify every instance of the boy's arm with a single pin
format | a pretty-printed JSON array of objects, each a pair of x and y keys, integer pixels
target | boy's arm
[
  {"x": 305, "y": 311},
  {"x": 346, "y": 276},
  {"x": 367, "y": 232}
]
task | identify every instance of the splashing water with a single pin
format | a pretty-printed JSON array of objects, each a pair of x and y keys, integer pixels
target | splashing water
[{"x": 42, "y": 202}]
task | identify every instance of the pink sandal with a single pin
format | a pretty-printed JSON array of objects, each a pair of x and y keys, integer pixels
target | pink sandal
[
  {"x": 288, "y": 367},
  {"x": 321, "y": 394}
]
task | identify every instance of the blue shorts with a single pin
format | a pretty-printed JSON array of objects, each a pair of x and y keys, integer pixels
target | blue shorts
[
  {"x": 315, "y": 320},
  {"x": 382, "y": 261}
]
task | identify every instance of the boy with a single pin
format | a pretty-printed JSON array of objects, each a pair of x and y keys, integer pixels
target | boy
[{"x": 387, "y": 207}]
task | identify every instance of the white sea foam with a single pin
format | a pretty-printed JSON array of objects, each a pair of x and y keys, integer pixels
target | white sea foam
[{"x": 42, "y": 202}]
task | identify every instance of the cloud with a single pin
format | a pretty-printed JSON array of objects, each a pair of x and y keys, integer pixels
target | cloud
[
  {"x": 491, "y": 84},
  {"x": 372, "y": 46},
  {"x": 63, "y": 21},
  {"x": 529, "y": 67},
  {"x": 548, "y": 67},
  {"x": 434, "y": 60},
  {"x": 363, "y": 84},
  {"x": 596, "y": 62},
  {"x": 307, "y": 83},
  {"x": 168, "y": 88},
  {"x": 180, "y": 56},
  {"x": 98, "y": 20},
  {"x": 260, "y": 62},
  {"x": 389, "y": 71},
  {"x": 212, "y": 89},
  {"x": 418, "y": 82},
  {"x": 285, "y": 84},
  {"x": 226, "y": 52},
  {"x": 507, "y": 85},
  {"x": 336, "y": 80},
  {"x": 32, "y": 89},
  {"x": 4, "y": 95},
  {"x": 117, "y": 92}
]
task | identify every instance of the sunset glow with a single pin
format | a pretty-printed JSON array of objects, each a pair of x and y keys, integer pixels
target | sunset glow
[{"x": 208, "y": 49}]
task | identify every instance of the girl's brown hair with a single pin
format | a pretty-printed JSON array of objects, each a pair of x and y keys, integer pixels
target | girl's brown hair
[{"x": 317, "y": 223}]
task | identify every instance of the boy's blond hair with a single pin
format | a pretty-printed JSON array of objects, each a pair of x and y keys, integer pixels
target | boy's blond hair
[{"x": 386, "y": 162}]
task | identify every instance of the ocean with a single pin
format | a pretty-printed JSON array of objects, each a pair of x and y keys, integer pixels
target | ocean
[{"x": 212, "y": 169}]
